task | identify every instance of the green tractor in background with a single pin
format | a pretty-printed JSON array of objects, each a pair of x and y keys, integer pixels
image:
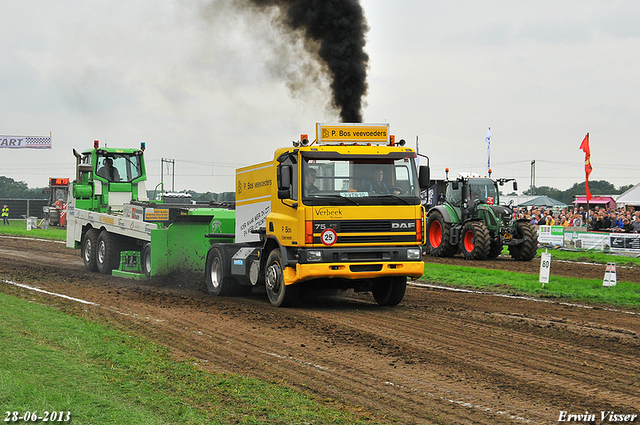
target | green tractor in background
[{"x": 470, "y": 219}]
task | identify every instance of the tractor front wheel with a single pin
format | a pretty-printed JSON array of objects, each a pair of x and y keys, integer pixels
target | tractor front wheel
[
  {"x": 475, "y": 242},
  {"x": 528, "y": 249}
]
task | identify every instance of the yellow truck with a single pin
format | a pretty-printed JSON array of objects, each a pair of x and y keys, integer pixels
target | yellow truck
[{"x": 342, "y": 212}]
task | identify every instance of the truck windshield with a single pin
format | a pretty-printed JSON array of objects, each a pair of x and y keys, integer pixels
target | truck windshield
[
  {"x": 360, "y": 181},
  {"x": 119, "y": 167}
]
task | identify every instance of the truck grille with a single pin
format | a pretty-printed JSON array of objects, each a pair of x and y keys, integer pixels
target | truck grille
[
  {"x": 368, "y": 231},
  {"x": 369, "y": 226}
]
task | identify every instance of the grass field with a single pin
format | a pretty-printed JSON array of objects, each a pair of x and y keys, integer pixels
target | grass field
[
  {"x": 53, "y": 362},
  {"x": 19, "y": 228},
  {"x": 624, "y": 294}
]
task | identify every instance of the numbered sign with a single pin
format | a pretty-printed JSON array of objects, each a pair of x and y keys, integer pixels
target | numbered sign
[
  {"x": 610, "y": 278},
  {"x": 545, "y": 267},
  {"x": 328, "y": 237}
]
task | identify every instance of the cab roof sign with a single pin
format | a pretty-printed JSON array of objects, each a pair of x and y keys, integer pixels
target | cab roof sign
[{"x": 352, "y": 133}]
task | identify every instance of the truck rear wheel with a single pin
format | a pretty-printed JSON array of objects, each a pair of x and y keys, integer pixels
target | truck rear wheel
[
  {"x": 475, "y": 241},
  {"x": 438, "y": 236},
  {"x": 528, "y": 249},
  {"x": 389, "y": 290},
  {"x": 108, "y": 252},
  {"x": 280, "y": 295},
  {"x": 218, "y": 275},
  {"x": 89, "y": 247}
]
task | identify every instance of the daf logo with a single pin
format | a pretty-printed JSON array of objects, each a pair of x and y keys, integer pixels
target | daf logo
[{"x": 411, "y": 225}]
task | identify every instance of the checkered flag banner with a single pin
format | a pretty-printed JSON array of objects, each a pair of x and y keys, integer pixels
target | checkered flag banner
[{"x": 30, "y": 142}]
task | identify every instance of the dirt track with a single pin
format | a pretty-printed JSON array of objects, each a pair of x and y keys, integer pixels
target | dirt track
[{"x": 439, "y": 357}]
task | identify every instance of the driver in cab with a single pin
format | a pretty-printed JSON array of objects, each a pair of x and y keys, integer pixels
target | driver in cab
[
  {"x": 378, "y": 185},
  {"x": 108, "y": 171}
]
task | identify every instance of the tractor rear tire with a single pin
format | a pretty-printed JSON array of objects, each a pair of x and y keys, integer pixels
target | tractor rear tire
[
  {"x": 389, "y": 291},
  {"x": 108, "y": 252},
  {"x": 89, "y": 248},
  {"x": 439, "y": 236},
  {"x": 475, "y": 241},
  {"x": 280, "y": 295},
  {"x": 528, "y": 249}
]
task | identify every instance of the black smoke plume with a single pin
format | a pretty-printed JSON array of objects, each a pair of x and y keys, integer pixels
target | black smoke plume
[{"x": 334, "y": 31}]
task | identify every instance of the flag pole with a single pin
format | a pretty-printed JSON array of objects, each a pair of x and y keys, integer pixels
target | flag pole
[
  {"x": 488, "y": 139},
  {"x": 586, "y": 176}
]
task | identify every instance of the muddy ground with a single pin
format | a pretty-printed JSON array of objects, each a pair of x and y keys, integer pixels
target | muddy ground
[{"x": 439, "y": 357}]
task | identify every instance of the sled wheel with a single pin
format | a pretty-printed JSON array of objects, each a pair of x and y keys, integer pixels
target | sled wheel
[
  {"x": 108, "y": 252},
  {"x": 89, "y": 247}
]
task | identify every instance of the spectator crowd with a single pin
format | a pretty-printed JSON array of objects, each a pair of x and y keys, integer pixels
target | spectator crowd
[{"x": 600, "y": 219}]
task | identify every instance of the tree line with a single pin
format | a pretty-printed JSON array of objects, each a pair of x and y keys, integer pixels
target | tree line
[
  {"x": 10, "y": 188},
  {"x": 596, "y": 187}
]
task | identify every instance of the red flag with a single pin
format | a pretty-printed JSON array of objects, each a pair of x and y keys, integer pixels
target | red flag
[{"x": 587, "y": 163}]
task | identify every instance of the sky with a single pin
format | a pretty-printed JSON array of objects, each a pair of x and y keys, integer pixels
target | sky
[{"x": 214, "y": 86}]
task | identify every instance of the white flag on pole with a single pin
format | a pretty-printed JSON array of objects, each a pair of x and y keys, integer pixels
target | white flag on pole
[{"x": 488, "y": 150}]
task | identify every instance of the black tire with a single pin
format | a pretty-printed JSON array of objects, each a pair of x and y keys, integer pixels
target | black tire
[
  {"x": 495, "y": 249},
  {"x": 280, "y": 295},
  {"x": 89, "y": 248},
  {"x": 218, "y": 275},
  {"x": 474, "y": 242},
  {"x": 146, "y": 260},
  {"x": 108, "y": 252},
  {"x": 527, "y": 250},
  {"x": 389, "y": 291},
  {"x": 439, "y": 236}
]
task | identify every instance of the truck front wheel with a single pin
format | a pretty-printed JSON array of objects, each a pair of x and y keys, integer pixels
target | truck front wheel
[
  {"x": 108, "y": 252},
  {"x": 389, "y": 290},
  {"x": 89, "y": 246},
  {"x": 280, "y": 295}
]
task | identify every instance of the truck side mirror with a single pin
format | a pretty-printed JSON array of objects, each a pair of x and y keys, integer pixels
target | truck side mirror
[
  {"x": 284, "y": 181},
  {"x": 515, "y": 186},
  {"x": 454, "y": 185},
  {"x": 424, "y": 179}
]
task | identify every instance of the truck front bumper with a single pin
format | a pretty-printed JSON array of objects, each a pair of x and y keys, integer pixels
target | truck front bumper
[{"x": 364, "y": 270}]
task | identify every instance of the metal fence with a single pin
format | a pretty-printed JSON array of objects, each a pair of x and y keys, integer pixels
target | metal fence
[{"x": 20, "y": 208}]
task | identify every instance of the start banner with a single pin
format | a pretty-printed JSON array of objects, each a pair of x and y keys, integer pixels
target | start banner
[{"x": 32, "y": 142}]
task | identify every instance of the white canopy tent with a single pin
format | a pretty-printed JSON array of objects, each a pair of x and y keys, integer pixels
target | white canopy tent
[{"x": 631, "y": 198}]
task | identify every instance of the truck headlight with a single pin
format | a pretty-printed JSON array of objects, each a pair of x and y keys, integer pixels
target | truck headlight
[
  {"x": 314, "y": 256},
  {"x": 414, "y": 253}
]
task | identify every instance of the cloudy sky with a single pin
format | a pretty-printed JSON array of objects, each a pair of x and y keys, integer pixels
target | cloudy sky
[{"x": 215, "y": 87}]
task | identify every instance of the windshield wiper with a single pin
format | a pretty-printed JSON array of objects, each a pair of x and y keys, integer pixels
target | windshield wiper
[
  {"x": 339, "y": 197},
  {"x": 384, "y": 195}
]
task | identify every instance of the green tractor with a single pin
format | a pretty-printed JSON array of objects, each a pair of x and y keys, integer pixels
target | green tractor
[{"x": 471, "y": 220}]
